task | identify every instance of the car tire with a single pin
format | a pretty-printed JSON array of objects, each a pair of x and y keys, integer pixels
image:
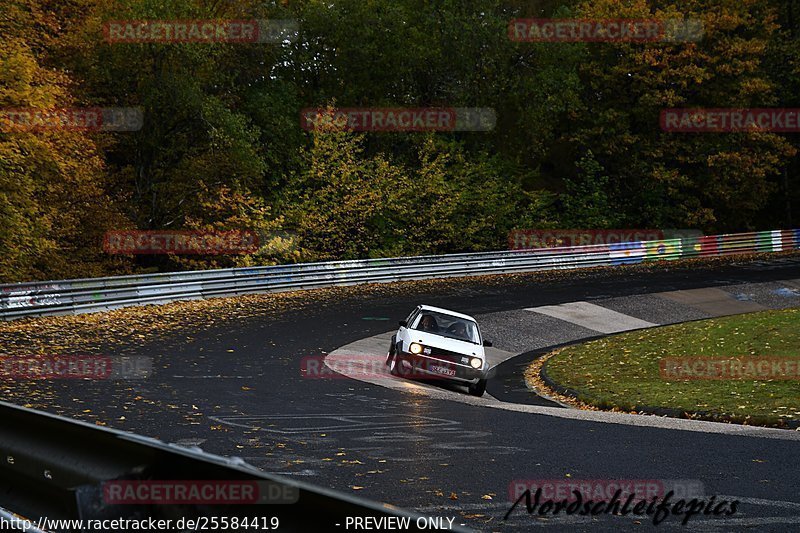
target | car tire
[
  {"x": 396, "y": 366},
  {"x": 477, "y": 389},
  {"x": 392, "y": 351}
]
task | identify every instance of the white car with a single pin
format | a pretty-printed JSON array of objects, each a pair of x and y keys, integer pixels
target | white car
[{"x": 434, "y": 343}]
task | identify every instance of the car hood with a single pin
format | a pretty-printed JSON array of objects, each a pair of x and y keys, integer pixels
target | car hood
[{"x": 445, "y": 343}]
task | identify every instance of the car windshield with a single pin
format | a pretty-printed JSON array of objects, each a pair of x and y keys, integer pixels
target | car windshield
[{"x": 447, "y": 326}]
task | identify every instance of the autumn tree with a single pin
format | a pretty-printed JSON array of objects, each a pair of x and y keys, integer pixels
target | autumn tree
[
  {"x": 53, "y": 203},
  {"x": 718, "y": 181}
]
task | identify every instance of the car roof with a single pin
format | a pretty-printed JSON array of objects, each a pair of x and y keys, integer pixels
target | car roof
[{"x": 446, "y": 311}]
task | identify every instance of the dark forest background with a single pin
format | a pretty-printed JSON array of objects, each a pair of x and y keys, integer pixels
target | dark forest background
[{"x": 577, "y": 142}]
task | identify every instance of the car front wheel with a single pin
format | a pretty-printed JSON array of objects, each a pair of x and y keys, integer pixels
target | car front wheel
[
  {"x": 396, "y": 366},
  {"x": 392, "y": 351},
  {"x": 477, "y": 389}
]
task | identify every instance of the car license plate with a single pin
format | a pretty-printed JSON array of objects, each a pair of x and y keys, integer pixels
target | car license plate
[{"x": 443, "y": 370}]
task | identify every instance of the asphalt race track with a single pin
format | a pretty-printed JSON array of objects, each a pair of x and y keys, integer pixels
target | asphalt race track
[{"x": 239, "y": 391}]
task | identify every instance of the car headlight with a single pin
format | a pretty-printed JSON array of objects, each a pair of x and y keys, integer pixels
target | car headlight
[
  {"x": 415, "y": 348},
  {"x": 475, "y": 362}
]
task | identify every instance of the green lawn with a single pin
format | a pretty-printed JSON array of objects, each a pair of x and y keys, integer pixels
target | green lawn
[{"x": 623, "y": 370}]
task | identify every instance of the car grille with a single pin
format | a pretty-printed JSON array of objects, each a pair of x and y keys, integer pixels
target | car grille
[{"x": 447, "y": 355}]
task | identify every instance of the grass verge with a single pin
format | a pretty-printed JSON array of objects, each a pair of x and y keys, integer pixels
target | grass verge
[{"x": 624, "y": 372}]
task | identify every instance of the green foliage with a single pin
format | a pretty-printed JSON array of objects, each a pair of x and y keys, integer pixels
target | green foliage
[
  {"x": 717, "y": 182},
  {"x": 587, "y": 202},
  {"x": 577, "y": 141},
  {"x": 349, "y": 205}
]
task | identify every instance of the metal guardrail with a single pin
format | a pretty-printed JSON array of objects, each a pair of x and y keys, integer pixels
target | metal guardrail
[
  {"x": 60, "y": 469},
  {"x": 99, "y": 294}
]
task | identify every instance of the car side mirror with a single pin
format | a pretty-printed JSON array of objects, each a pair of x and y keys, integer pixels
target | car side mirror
[
  {"x": 403, "y": 323},
  {"x": 488, "y": 344}
]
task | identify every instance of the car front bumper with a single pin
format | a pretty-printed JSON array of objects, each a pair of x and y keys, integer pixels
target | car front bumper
[{"x": 426, "y": 367}]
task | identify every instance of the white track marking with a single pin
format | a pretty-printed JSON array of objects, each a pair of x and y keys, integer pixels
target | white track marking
[{"x": 592, "y": 316}]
